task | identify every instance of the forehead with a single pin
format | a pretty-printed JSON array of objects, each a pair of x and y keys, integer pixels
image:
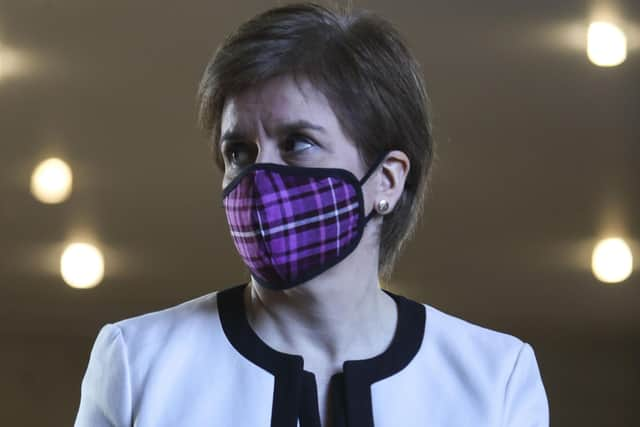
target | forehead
[{"x": 280, "y": 99}]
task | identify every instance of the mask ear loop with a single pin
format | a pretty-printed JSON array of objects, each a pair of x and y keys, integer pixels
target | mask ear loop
[
  {"x": 374, "y": 167},
  {"x": 371, "y": 215},
  {"x": 370, "y": 172}
]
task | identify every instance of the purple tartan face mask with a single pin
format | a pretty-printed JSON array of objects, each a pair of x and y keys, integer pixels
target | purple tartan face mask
[{"x": 290, "y": 224}]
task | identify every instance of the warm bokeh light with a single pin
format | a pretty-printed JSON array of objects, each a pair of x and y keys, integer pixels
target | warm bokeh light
[
  {"x": 612, "y": 261},
  {"x": 606, "y": 44},
  {"x": 14, "y": 63},
  {"x": 82, "y": 265},
  {"x": 51, "y": 181}
]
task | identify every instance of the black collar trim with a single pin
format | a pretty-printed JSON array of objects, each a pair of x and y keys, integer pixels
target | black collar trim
[{"x": 292, "y": 382}]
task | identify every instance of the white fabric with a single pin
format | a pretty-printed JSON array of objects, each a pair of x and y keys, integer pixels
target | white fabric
[{"x": 173, "y": 368}]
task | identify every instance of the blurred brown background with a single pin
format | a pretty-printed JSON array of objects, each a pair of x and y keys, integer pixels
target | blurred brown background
[{"x": 539, "y": 157}]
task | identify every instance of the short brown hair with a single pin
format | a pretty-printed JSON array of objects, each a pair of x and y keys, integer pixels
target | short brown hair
[{"x": 362, "y": 65}]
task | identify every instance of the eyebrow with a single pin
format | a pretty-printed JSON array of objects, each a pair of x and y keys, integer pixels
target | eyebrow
[{"x": 281, "y": 129}]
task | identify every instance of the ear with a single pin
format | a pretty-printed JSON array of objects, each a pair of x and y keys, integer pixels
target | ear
[{"x": 392, "y": 174}]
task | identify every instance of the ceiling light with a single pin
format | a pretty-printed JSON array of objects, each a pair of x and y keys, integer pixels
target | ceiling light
[
  {"x": 51, "y": 181},
  {"x": 606, "y": 44},
  {"x": 612, "y": 261},
  {"x": 82, "y": 265}
]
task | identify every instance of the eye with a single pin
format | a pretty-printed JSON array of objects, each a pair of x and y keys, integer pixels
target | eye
[
  {"x": 239, "y": 154},
  {"x": 297, "y": 143}
]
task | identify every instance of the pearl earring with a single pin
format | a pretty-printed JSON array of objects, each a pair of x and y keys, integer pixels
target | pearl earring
[{"x": 383, "y": 205}]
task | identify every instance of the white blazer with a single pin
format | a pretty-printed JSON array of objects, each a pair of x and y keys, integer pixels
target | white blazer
[{"x": 200, "y": 364}]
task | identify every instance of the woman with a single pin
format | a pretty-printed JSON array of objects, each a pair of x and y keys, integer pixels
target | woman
[{"x": 319, "y": 120}]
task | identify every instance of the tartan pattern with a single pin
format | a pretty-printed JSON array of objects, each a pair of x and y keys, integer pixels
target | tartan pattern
[{"x": 286, "y": 225}]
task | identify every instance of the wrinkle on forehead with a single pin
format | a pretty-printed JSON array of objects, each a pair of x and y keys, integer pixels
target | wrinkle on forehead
[{"x": 279, "y": 99}]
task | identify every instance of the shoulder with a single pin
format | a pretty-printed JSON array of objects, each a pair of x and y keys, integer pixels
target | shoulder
[
  {"x": 470, "y": 349},
  {"x": 161, "y": 324},
  {"x": 166, "y": 348},
  {"x": 451, "y": 332},
  {"x": 485, "y": 362},
  {"x": 166, "y": 337}
]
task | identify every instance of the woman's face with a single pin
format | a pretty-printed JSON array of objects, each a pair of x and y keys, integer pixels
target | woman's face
[{"x": 277, "y": 123}]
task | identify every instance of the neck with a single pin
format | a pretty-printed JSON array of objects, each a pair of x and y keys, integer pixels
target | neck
[{"x": 342, "y": 314}]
